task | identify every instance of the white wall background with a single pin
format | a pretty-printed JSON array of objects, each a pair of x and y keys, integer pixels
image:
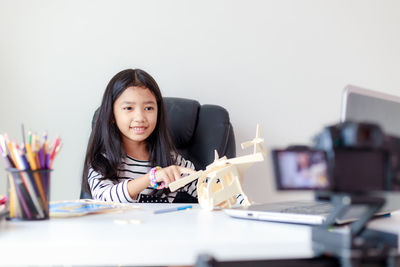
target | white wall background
[{"x": 280, "y": 63}]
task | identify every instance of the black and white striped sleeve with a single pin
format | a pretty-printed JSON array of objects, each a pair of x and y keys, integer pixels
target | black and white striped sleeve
[
  {"x": 190, "y": 188},
  {"x": 106, "y": 190}
]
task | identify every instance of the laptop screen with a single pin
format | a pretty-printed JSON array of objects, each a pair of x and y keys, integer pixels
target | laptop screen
[
  {"x": 359, "y": 104},
  {"x": 299, "y": 170}
]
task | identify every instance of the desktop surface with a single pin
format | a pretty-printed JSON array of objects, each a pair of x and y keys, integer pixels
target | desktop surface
[{"x": 140, "y": 237}]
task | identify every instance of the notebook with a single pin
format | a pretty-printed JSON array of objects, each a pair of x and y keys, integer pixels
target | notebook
[{"x": 358, "y": 104}]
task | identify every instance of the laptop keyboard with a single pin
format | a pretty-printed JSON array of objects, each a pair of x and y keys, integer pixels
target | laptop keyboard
[{"x": 316, "y": 209}]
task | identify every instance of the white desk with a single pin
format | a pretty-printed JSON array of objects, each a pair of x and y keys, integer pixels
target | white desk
[{"x": 174, "y": 238}]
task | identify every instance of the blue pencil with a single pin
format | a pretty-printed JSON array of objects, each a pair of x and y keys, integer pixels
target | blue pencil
[{"x": 172, "y": 209}]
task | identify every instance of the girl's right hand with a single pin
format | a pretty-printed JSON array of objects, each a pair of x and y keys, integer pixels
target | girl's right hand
[{"x": 171, "y": 174}]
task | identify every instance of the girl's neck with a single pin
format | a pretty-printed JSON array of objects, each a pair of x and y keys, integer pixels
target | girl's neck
[{"x": 137, "y": 151}]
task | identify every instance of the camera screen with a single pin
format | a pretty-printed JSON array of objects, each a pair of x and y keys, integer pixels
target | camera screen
[
  {"x": 300, "y": 169},
  {"x": 359, "y": 170}
]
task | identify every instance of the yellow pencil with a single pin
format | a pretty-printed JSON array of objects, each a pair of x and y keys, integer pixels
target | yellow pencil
[
  {"x": 31, "y": 157},
  {"x": 12, "y": 196}
]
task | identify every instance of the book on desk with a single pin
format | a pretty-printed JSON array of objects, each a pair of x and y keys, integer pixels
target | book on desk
[{"x": 73, "y": 208}]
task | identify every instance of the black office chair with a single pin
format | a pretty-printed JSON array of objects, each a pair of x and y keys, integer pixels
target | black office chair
[{"x": 197, "y": 130}]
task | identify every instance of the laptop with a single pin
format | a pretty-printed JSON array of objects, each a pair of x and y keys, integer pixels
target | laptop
[
  {"x": 358, "y": 104},
  {"x": 296, "y": 169}
]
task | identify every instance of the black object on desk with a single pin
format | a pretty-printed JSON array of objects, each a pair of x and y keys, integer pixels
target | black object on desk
[
  {"x": 355, "y": 244},
  {"x": 3, "y": 213},
  {"x": 205, "y": 260}
]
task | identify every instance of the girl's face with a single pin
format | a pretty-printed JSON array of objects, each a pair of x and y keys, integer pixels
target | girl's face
[{"x": 135, "y": 112}]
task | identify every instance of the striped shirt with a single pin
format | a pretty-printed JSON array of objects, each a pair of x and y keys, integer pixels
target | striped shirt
[{"x": 116, "y": 190}]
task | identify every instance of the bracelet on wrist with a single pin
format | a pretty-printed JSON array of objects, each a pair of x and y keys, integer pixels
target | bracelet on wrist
[{"x": 153, "y": 181}]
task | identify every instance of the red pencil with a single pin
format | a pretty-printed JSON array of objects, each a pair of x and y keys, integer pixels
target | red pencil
[{"x": 54, "y": 151}]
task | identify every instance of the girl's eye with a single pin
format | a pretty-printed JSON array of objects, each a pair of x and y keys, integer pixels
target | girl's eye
[
  {"x": 148, "y": 108},
  {"x": 127, "y": 108}
]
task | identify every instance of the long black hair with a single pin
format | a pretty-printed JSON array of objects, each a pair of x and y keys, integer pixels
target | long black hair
[{"x": 105, "y": 151}]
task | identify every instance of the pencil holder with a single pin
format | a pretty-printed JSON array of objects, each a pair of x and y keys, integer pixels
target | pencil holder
[{"x": 28, "y": 194}]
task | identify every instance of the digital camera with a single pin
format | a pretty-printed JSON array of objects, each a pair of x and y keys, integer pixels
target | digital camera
[{"x": 360, "y": 157}]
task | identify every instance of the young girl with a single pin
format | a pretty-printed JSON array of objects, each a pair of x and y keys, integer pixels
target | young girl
[{"x": 130, "y": 155}]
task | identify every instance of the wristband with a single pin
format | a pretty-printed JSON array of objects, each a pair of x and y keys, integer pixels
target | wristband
[{"x": 153, "y": 181}]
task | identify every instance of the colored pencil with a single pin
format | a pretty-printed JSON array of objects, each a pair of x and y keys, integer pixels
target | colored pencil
[
  {"x": 172, "y": 209},
  {"x": 28, "y": 187}
]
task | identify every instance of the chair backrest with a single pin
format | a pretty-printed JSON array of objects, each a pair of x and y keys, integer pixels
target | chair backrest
[{"x": 196, "y": 130}]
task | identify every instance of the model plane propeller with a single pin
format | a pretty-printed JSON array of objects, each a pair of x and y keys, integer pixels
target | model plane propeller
[{"x": 256, "y": 142}]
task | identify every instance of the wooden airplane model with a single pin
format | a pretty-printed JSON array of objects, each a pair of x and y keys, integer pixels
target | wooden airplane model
[{"x": 220, "y": 183}]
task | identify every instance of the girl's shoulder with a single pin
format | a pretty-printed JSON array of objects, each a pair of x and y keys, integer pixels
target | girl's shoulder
[{"x": 181, "y": 161}]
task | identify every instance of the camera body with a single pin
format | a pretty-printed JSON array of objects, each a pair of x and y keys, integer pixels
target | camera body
[{"x": 360, "y": 157}]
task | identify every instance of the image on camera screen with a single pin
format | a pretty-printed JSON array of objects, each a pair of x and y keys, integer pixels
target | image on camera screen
[{"x": 302, "y": 169}]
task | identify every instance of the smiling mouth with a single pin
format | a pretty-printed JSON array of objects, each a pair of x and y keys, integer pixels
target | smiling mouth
[{"x": 138, "y": 130}]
